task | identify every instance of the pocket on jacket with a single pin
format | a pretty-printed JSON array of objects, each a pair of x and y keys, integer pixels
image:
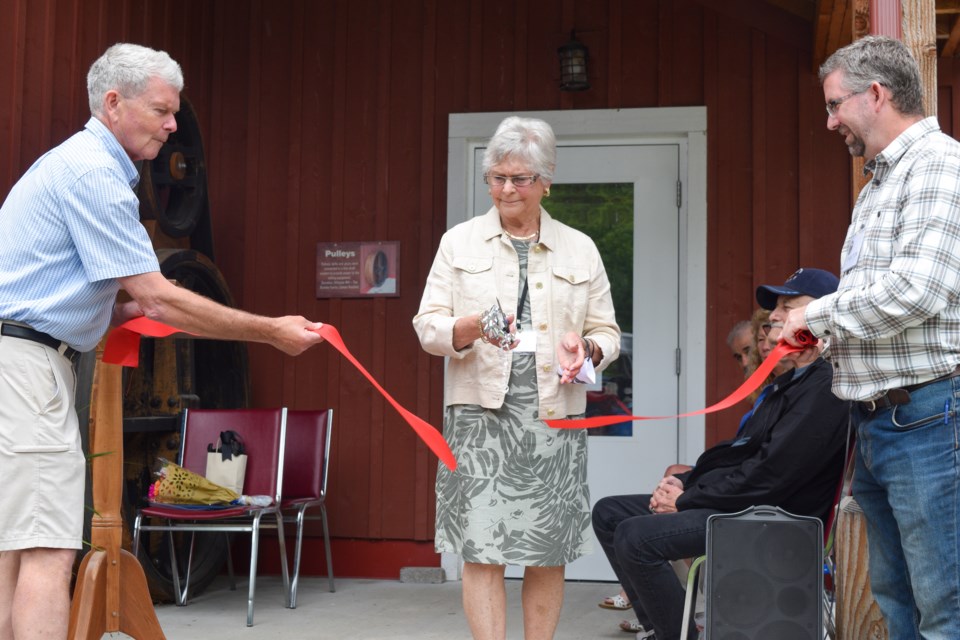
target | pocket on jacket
[
  {"x": 570, "y": 293},
  {"x": 473, "y": 282}
]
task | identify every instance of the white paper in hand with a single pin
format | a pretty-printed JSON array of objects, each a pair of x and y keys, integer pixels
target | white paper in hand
[{"x": 586, "y": 375}]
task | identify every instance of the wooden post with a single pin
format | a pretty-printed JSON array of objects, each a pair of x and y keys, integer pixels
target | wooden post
[
  {"x": 858, "y": 616},
  {"x": 111, "y": 593},
  {"x": 919, "y": 27}
]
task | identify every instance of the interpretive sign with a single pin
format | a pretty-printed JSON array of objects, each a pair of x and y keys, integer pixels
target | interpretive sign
[{"x": 357, "y": 269}]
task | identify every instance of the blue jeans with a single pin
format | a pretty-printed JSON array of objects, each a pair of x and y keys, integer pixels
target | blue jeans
[
  {"x": 640, "y": 545},
  {"x": 906, "y": 482}
]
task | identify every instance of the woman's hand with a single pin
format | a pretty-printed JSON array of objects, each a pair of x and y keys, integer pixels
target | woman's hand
[
  {"x": 570, "y": 355},
  {"x": 511, "y": 335},
  {"x": 467, "y": 330}
]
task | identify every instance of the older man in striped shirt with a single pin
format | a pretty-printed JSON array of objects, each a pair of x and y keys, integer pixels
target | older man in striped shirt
[
  {"x": 70, "y": 238},
  {"x": 894, "y": 333}
]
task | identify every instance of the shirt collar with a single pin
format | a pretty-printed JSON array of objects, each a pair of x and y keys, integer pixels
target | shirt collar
[
  {"x": 490, "y": 226},
  {"x": 900, "y": 145},
  {"x": 116, "y": 151}
]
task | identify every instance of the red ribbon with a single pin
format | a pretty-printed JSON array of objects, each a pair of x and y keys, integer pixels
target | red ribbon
[
  {"x": 123, "y": 348},
  {"x": 805, "y": 338},
  {"x": 123, "y": 343},
  {"x": 430, "y": 436}
]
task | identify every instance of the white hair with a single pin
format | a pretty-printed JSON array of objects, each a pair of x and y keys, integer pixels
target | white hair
[
  {"x": 127, "y": 68},
  {"x": 527, "y": 140}
]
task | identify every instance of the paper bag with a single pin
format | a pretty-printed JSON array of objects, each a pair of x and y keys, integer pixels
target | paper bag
[{"x": 227, "y": 462}]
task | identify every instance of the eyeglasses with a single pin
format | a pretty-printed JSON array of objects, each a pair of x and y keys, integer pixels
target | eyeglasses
[
  {"x": 833, "y": 105},
  {"x": 518, "y": 181}
]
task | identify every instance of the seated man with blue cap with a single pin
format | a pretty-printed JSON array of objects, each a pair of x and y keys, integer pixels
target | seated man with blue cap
[{"x": 789, "y": 453}]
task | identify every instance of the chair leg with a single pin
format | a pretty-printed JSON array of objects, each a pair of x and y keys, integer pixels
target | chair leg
[
  {"x": 285, "y": 572},
  {"x": 829, "y": 601},
  {"x": 186, "y": 582},
  {"x": 295, "y": 579},
  {"x": 233, "y": 577},
  {"x": 690, "y": 599},
  {"x": 135, "y": 547},
  {"x": 326, "y": 544},
  {"x": 178, "y": 595},
  {"x": 254, "y": 551}
]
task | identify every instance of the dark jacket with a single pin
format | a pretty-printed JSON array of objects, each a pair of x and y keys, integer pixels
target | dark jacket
[{"x": 792, "y": 458}]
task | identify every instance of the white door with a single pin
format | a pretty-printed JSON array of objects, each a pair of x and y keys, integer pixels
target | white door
[
  {"x": 631, "y": 457},
  {"x": 654, "y": 160}
]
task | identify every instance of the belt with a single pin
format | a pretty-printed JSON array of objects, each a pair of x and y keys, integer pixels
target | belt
[
  {"x": 26, "y": 333},
  {"x": 896, "y": 397}
]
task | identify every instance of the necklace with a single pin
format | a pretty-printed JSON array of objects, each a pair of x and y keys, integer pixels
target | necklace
[{"x": 522, "y": 238}]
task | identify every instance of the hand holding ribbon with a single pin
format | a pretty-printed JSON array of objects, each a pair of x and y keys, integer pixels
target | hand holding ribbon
[
  {"x": 123, "y": 348},
  {"x": 804, "y": 338},
  {"x": 123, "y": 343}
]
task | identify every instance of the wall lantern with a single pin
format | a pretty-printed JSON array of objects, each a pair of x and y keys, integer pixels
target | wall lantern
[{"x": 573, "y": 65}]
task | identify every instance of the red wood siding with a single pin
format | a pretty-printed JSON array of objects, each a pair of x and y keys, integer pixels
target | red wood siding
[{"x": 327, "y": 121}]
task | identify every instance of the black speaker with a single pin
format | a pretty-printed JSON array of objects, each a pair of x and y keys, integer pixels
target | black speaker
[{"x": 764, "y": 576}]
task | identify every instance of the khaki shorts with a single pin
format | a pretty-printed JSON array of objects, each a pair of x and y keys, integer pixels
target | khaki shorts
[{"x": 42, "y": 466}]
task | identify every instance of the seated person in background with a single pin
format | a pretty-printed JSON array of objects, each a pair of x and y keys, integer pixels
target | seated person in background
[
  {"x": 789, "y": 453},
  {"x": 741, "y": 343}
]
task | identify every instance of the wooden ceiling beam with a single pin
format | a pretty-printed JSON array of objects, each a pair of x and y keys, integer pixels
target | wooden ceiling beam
[
  {"x": 948, "y": 6},
  {"x": 831, "y": 29},
  {"x": 801, "y": 8},
  {"x": 950, "y": 48}
]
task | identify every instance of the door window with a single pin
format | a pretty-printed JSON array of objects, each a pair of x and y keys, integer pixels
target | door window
[{"x": 604, "y": 211}]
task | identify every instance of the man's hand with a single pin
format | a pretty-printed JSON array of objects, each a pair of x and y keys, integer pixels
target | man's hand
[
  {"x": 295, "y": 334},
  {"x": 123, "y": 311},
  {"x": 793, "y": 324},
  {"x": 664, "y": 498}
]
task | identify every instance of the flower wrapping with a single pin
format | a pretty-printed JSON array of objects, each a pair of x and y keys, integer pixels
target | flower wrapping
[{"x": 176, "y": 485}]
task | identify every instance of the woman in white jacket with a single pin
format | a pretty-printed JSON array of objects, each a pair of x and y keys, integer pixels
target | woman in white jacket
[{"x": 519, "y": 494}]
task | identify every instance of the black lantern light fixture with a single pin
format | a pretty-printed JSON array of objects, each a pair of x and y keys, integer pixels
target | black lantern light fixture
[{"x": 573, "y": 65}]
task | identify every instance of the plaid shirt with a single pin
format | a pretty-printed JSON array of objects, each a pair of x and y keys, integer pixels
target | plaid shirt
[{"x": 895, "y": 318}]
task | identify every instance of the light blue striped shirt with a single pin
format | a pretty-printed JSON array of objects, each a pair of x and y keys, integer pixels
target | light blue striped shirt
[{"x": 68, "y": 229}]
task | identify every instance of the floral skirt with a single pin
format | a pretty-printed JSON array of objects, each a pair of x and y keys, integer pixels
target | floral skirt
[{"x": 519, "y": 494}]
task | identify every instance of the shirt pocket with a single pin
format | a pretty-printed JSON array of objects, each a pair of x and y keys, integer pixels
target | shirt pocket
[
  {"x": 473, "y": 284},
  {"x": 569, "y": 293}
]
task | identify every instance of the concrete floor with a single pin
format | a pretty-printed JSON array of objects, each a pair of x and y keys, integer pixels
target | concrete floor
[{"x": 371, "y": 610}]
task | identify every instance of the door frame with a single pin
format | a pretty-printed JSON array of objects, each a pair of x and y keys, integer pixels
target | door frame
[{"x": 686, "y": 126}]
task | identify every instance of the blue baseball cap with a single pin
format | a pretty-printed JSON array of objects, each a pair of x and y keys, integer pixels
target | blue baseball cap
[{"x": 803, "y": 282}]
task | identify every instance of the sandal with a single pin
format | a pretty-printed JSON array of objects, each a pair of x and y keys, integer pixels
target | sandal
[
  {"x": 615, "y": 602},
  {"x": 632, "y": 626}
]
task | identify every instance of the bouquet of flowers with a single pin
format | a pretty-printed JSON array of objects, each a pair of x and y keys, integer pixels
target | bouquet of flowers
[{"x": 178, "y": 486}]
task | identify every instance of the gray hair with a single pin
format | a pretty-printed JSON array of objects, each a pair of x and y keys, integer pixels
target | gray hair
[
  {"x": 879, "y": 59},
  {"x": 527, "y": 140},
  {"x": 127, "y": 68},
  {"x": 740, "y": 327}
]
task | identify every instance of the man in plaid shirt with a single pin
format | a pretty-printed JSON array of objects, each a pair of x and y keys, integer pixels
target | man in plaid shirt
[{"x": 893, "y": 329}]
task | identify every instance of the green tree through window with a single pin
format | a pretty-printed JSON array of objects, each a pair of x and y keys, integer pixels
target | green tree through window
[{"x": 605, "y": 213}]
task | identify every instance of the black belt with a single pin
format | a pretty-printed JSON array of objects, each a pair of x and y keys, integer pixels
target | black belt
[
  {"x": 26, "y": 333},
  {"x": 896, "y": 397}
]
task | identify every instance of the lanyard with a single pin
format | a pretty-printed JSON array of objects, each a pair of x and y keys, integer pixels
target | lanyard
[{"x": 523, "y": 299}]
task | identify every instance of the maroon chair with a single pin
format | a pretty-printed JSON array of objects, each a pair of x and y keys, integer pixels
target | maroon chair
[
  {"x": 305, "y": 481},
  {"x": 263, "y": 432}
]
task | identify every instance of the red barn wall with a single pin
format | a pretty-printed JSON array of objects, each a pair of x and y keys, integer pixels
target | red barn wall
[{"x": 326, "y": 121}]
